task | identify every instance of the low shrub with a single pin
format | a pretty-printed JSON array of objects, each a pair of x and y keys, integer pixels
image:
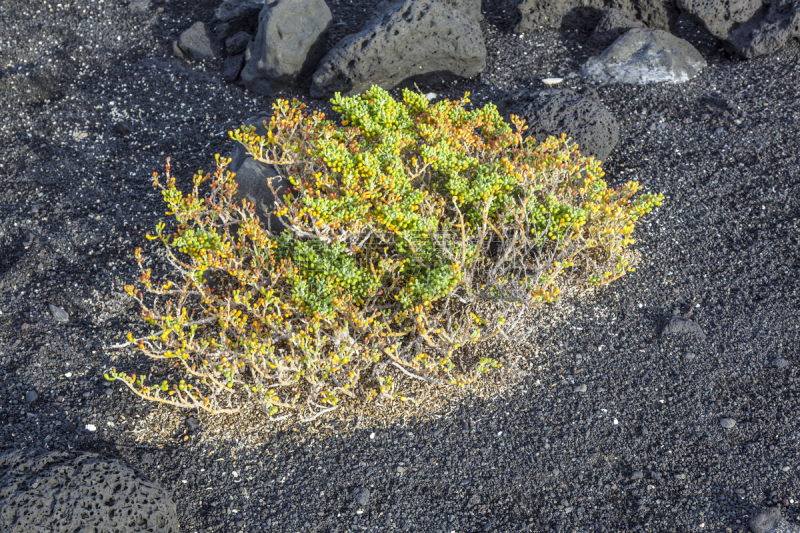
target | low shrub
[{"x": 401, "y": 219}]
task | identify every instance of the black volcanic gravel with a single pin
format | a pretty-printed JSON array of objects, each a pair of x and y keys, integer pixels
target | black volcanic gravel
[{"x": 91, "y": 103}]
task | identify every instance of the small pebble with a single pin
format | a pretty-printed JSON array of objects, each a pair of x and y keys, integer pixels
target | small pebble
[
  {"x": 401, "y": 469},
  {"x": 680, "y": 476},
  {"x": 580, "y": 388},
  {"x": 727, "y": 423},
  {"x": 780, "y": 363},
  {"x": 361, "y": 495},
  {"x": 59, "y": 314},
  {"x": 192, "y": 423},
  {"x": 552, "y": 81},
  {"x": 91, "y": 427},
  {"x": 31, "y": 396},
  {"x": 637, "y": 475}
]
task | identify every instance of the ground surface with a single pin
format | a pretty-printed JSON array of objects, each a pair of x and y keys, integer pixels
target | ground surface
[{"x": 76, "y": 199}]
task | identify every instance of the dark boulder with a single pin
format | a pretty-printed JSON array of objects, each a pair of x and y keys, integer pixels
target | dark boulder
[
  {"x": 551, "y": 112},
  {"x": 253, "y": 178},
  {"x": 233, "y": 16},
  {"x": 231, "y": 67},
  {"x": 237, "y": 43},
  {"x": 290, "y": 42}
]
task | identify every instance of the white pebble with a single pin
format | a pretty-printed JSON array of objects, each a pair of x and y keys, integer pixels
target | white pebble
[{"x": 91, "y": 427}]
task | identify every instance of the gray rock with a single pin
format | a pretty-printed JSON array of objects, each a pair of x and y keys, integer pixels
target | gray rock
[
  {"x": 411, "y": 41},
  {"x": 770, "y": 521},
  {"x": 233, "y": 16},
  {"x": 59, "y": 314},
  {"x": 750, "y": 28},
  {"x": 197, "y": 43},
  {"x": 727, "y": 423},
  {"x": 139, "y": 6},
  {"x": 238, "y": 43},
  {"x": 361, "y": 496},
  {"x": 474, "y": 500},
  {"x": 683, "y": 326},
  {"x": 780, "y": 363},
  {"x": 60, "y": 491},
  {"x": 637, "y": 475},
  {"x": 290, "y": 42},
  {"x": 613, "y": 24},
  {"x": 584, "y": 15},
  {"x": 643, "y": 56},
  {"x": 192, "y": 423},
  {"x": 231, "y": 67},
  {"x": 556, "y": 111},
  {"x": 580, "y": 388},
  {"x": 31, "y": 396},
  {"x": 252, "y": 178}
]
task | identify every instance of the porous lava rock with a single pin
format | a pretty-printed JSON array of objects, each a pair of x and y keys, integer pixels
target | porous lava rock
[
  {"x": 551, "y": 112},
  {"x": 411, "y": 40},
  {"x": 643, "y": 56},
  {"x": 749, "y": 28},
  {"x": 613, "y": 25},
  {"x": 584, "y": 15},
  {"x": 253, "y": 178},
  {"x": 290, "y": 42},
  {"x": 63, "y": 491}
]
